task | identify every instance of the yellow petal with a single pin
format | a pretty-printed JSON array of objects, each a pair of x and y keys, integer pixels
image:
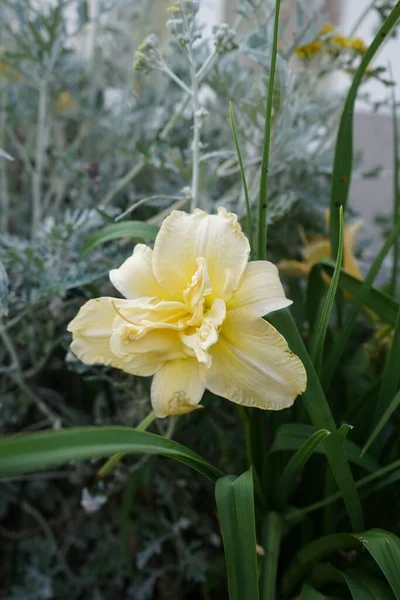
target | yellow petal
[
  {"x": 176, "y": 388},
  {"x": 194, "y": 294},
  {"x": 350, "y": 239},
  {"x": 294, "y": 268},
  {"x": 198, "y": 343},
  {"x": 91, "y": 330},
  {"x": 93, "y": 334},
  {"x": 143, "y": 315},
  {"x": 185, "y": 237},
  {"x": 150, "y": 350},
  {"x": 135, "y": 277},
  {"x": 253, "y": 366},
  {"x": 260, "y": 291},
  {"x": 316, "y": 251}
]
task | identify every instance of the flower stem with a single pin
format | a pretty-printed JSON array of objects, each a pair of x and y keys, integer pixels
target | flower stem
[
  {"x": 264, "y": 180},
  {"x": 115, "y": 458},
  {"x": 196, "y": 132}
]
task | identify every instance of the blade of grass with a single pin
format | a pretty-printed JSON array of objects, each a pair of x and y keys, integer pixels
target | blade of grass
[
  {"x": 271, "y": 540},
  {"x": 319, "y": 334},
  {"x": 343, "y": 161},
  {"x": 390, "y": 382},
  {"x": 382, "y": 422},
  {"x": 26, "y": 453},
  {"x": 396, "y": 189},
  {"x": 264, "y": 179},
  {"x": 383, "y": 546},
  {"x": 384, "y": 306},
  {"x": 296, "y": 464},
  {"x": 350, "y": 320},
  {"x": 320, "y": 414},
  {"x": 244, "y": 181},
  {"x": 297, "y": 514},
  {"x": 235, "y": 503}
]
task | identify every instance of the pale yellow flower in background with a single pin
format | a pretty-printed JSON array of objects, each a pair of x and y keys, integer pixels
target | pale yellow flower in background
[
  {"x": 192, "y": 318},
  {"x": 317, "y": 248}
]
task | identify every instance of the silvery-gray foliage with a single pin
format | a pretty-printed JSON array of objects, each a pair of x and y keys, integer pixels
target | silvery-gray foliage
[{"x": 91, "y": 138}]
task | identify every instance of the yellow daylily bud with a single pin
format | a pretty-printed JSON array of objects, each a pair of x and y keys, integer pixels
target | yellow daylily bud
[{"x": 191, "y": 317}]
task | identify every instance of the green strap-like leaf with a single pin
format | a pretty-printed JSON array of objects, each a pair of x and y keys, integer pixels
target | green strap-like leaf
[
  {"x": 26, "y": 453},
  {"x": 382, "y": 421},
  {"x": 383, "y": 546},
  {"x": 292, "y": 436},
  {"x": 296, "y": 464},
  {"x": 309, "y": 593},
  {"x": 359, "y": 300},
  {"x": 319, "y": 333},
  {"x": 137, "y": 230},
  {"x": 360, "y": 584},
  {"x": 320, "y": 414},
  {"x": 343, "y": 162},
  {"x": 384, "y": 306},
  {"x": 235, "y": 503}
]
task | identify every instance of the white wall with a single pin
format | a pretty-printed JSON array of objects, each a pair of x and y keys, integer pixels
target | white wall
[{"x": 351, "y": 10}]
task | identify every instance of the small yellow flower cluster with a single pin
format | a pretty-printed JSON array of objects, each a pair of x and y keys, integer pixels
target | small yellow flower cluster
[
  {"x": 308, "y": 51},
  {"x": 331, "y": 43},
  {"x": 64, "y": 101}
]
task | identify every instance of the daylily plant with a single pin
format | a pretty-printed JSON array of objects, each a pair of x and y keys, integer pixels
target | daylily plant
[{"x": 191, "y": 317}]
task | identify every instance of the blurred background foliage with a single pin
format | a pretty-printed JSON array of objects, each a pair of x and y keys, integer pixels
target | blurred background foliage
[{"x": 92, "y": 142}]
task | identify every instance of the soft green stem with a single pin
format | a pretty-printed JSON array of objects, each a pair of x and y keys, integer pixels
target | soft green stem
[
  {"x": 196, "y": 132},
  {"x": 4, "y": 196},
  {"x": 264, "y": 180},
  {"x": 244, "y": 181},
  {"x": 271, "y": 540},
  {"x": 39, "y": 158},
  {"x": 114, "y": 460},
  {"x": 123, "y": 182},
  {"x": 396, "y": 191}
]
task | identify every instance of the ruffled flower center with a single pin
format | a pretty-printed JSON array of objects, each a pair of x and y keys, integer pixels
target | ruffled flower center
[{"x": 195, "y": 321}]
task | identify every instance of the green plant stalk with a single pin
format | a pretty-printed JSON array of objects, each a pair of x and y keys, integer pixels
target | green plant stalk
[
  {"x": 244, "y": 181},
  {"x": 319, "y": 334},
  {"x": 343, "y": 161},
  {"x": 264, "y": 179},
  {"x": 115, "y": 459},
  {"x": 39, "y": 158},
  {"x": 396, "y": 192},
  {"x": 345, "y": 332},
  {"x": 382, "y": 422},
  {"x": 320, "y": 414},
  {"x": 299, "y": 513},
  {"x": 4, "y": 195},
  {"x": 271, "y": 541},
  {"x": 196, "y": 132}
]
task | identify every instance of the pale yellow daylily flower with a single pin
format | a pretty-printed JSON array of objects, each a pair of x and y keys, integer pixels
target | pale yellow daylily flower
[
  {"x": 318, "y": 247},
  {"x": 192, "y": 318}
]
